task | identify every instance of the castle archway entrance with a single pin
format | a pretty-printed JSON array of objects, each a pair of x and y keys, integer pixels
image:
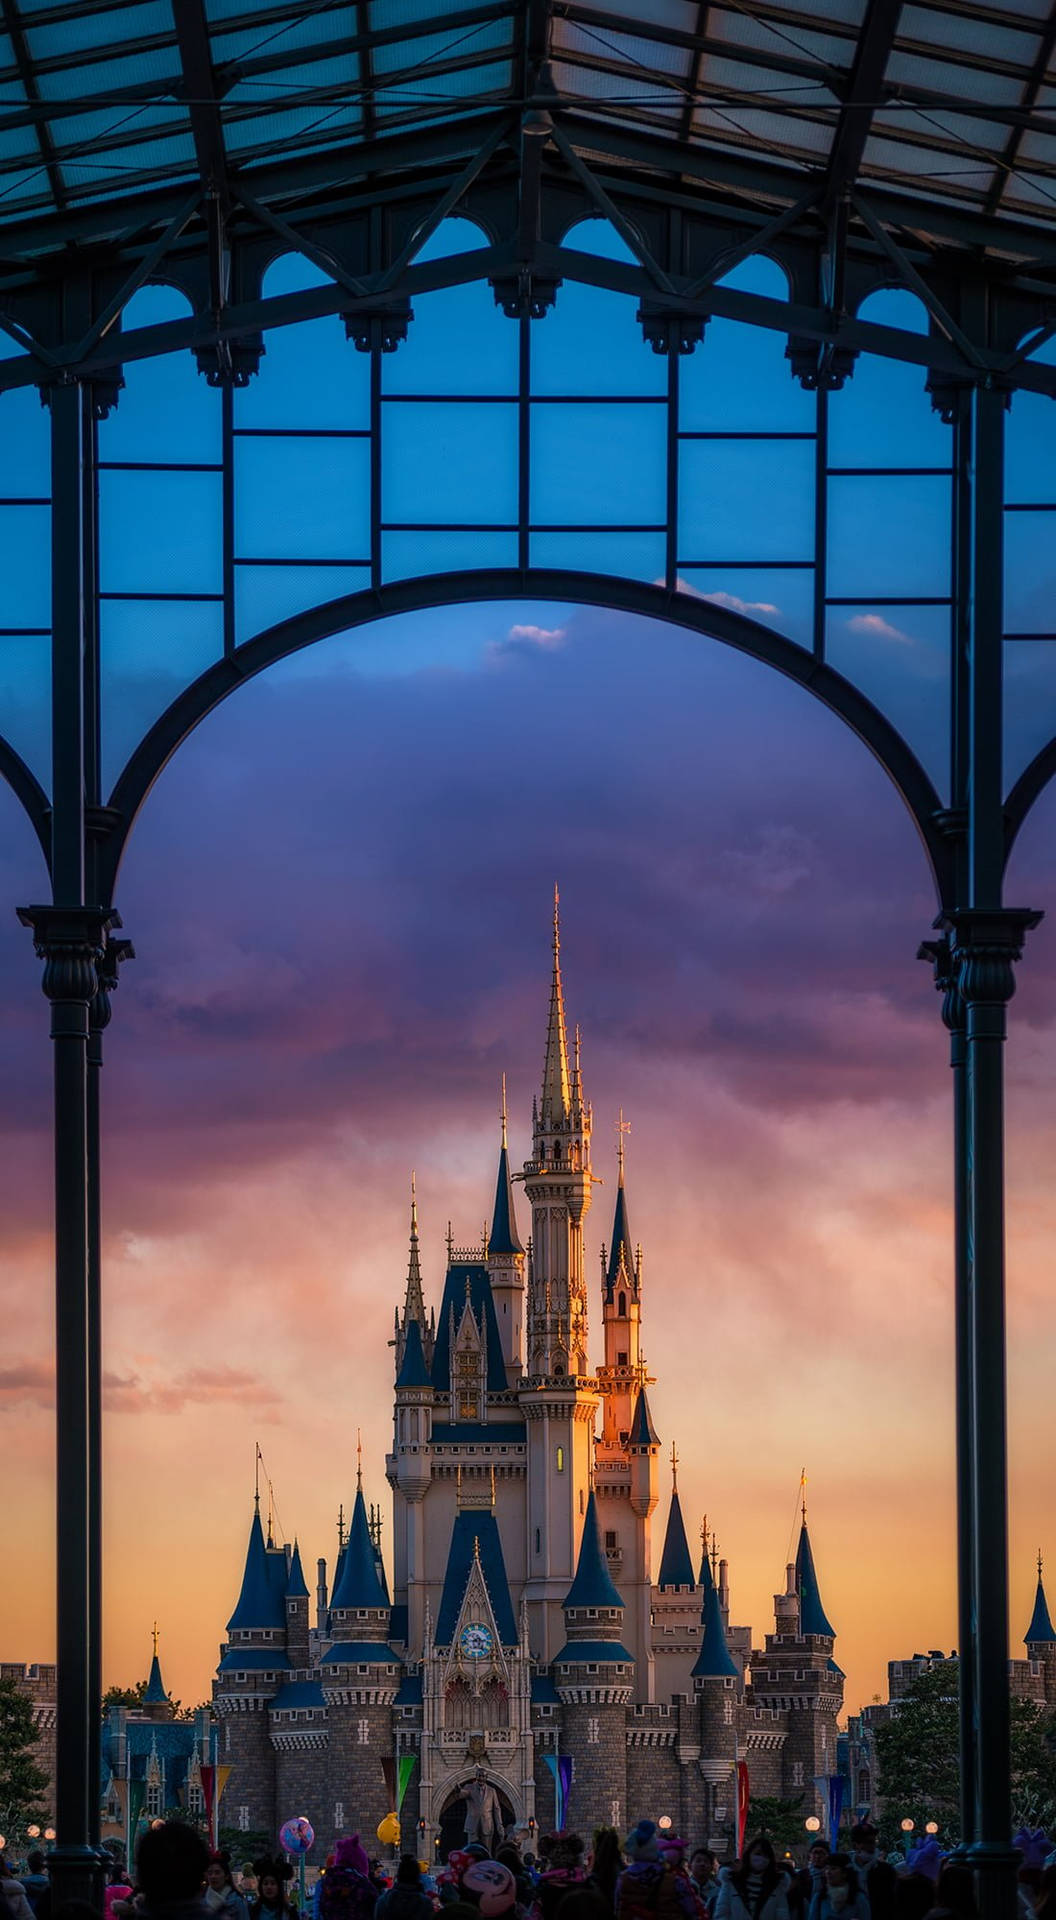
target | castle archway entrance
[{"x": 453, "y": 1817}]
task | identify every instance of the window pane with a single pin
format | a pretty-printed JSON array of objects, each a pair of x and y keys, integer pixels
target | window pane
[
  {"x": 449, "y": 463},
  {"x": 149, "y": 652},
  {"x": 458, "y": 342},
  {"x": 900, "y": 659},
  {"x": 25, "y": 445},
  {"x": 160, "y": 532},
  {"x": 599, "y": 465},
  {"x": 302, "y": 499},
  {"x": 25, "y": 700},
  {"x": 25, "y": 566},
  {"x": 1030, "y": 702},
  {"x": 783, "y": 600},
  {"x": 745, "y": 500},
  {"x": 591, "y": 342},
  {"x": 889, "y": 535},
  {"x": 266, "y": 595},
  {"x": 1030, "y": 454},
  {"x": 407, "y": 554},
  {"x": 637, "y": 556},
  {"x": 1030, "y": 572}
]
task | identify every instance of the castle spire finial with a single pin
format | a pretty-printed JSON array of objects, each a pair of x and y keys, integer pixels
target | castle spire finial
[
  {"x": 256, "y": 1479},
  {"x": 1039, "y": 1564},
  {"x": 674, "y": 1468},
  {"x": 623, "y": 1128},
  {"x": 359, "y": 1459},
  {"x": 502, "y": 1112},
  {"x": 156, "y": 1639},
  {"x": 413, "y": 1298},
  {"x": 803, "y": 1494}
]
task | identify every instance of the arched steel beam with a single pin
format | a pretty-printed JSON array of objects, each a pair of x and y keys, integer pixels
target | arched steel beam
[
  {"x": 1028, "y": 788},
  {"x": 27, "y": 788},
  {"x": 586, "y": 589}
]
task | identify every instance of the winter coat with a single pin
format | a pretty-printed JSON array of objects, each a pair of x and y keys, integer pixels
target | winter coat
[
  {"x": 14, "y": 1893},
  {"x": 404, "y": 1903},
  {"x": 879, "y": 1883},
  {"x": 856, "y": 1907},
  {"x": 232, "y": 1905},
  {"x": 732, "y": 1905},
  {"x": 551, "y": 1889},
  {"x": 649, "y": 1890}
]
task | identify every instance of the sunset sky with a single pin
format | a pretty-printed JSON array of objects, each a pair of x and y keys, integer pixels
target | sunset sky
[{"x": 339, "y": 894}]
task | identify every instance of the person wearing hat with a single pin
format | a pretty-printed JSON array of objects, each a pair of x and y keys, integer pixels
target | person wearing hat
[
  {"x": 272, "y": 1901},
  {"x": 406, "y": 1898},
  {"x": 562, "y": 1870},
  {"x": 650, "y": 1887},
  {"x": 348, "y": 1892}
]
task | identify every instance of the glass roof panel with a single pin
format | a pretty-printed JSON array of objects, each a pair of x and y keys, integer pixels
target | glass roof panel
[
  {"x": 112, "y": 28},
  {"x": 968, "y": 34},
  {"x": 605, "y": 43},
  {"x": 274, "y": 42},
  {"x": 433, "y": 48},
  {"x": 106, "y": 76},
  {"x": 682, "y": 15}
]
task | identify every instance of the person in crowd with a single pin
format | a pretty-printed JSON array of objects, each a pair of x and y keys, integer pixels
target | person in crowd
[
  {"x": 406, "y": 1898},
  {"x": 118, "y": 1891},
  {"x": 606, "y": 1865},
  {"x": 840, "y": 1897},
  {"x": 273, "y": 1901},
  {"x": 510, "y": 1856},
  {"x": 806, "y": 1881},
  {"x": 955, "y": 1889},
  {"x": 876, "y": 1877},
  {"x": 1045, "y": 1898},
  {"x": 914, "y": 1895},
  {"x": 648, "y": 1886},
  {"x": 35, "y": 1880},
  {"x": 754, "y": 1889},
  {"x": 489, "y": 1888},
  {"x": 13, "y": 1902},
  {"x": 348, "y": 1892},
  {"x": 221, "y": 1895},
  {"x": 563, "y": 1869},
  {"x": 247, "y": 1882},
  {"x": 171, "y": 1860}
]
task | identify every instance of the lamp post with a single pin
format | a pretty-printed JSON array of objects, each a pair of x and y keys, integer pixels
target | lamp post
[{"x": 907, "y": 1835}]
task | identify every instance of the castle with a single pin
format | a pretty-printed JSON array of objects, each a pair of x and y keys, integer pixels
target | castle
[{"x": 529, "y": 1619}]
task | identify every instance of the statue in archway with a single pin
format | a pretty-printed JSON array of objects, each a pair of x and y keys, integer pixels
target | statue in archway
[{"x": 483, "y": 1812}]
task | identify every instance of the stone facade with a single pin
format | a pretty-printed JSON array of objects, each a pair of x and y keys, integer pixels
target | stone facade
[
  {"x": 39, "y": 1684},
  {"x": 532, "y": 1616}
]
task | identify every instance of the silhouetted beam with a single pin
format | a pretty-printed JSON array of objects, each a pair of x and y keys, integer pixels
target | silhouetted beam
[
  {"x": 863, "y": 95},
  {"x": 203, "y": 105}
]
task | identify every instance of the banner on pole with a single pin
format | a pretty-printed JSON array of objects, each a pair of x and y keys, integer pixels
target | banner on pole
[
  {"x": 560, "y": 1765},
  {"x": 208, "y": 1775},
  {"x": 743, "y": 1795},
  {"x": 836, "y": 1786},
  {"x": 403, "y": 1777},
  {"x": 388, "y": 1768}
]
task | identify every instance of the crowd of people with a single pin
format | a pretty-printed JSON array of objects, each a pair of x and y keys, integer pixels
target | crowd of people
[{"x": 648, "y": 1874}]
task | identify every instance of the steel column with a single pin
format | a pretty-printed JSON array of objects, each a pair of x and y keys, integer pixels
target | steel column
[{"x": 69, "y": 937}]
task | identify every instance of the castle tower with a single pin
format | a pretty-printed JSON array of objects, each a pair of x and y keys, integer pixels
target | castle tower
[
  {"x": 675, "y": 1604},
  {"x": 717, "y": 1689},
  {"x": 643, "y": 1453},
  {"x": 297, "y": 1622},
  {"x": 594, "y": 1677},
  {"x": 413, "y": 1297},
  {"x": 798, "y": 1670},
  {"x": 410, "y": 1473},
  {"x": 156, "y": 1704},
  {"x": 622, "y": 1374},
  {"x": 360, "y": 1676},
  {"x": 253, "y": 1665},
  {"x": 506, "y": 1264},
  {"x": 1040, "y": 1639},
  {"x": 558, "y": 1402}
]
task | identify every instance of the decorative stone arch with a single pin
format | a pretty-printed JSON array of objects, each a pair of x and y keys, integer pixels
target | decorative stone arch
[{"x": 449, "y": 1789}]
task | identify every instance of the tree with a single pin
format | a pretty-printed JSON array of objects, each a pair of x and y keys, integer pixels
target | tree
[
  {"x": 780, "y": 1820},
  {"x": 919, "y": 1764},
  {"x": 245, "y": 1846},
  {"x": 124, "y": 1696},
  {"x": 23, "y": 1784}
]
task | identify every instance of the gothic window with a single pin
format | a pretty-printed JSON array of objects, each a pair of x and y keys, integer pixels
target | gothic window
[
  {"x": 363, "y": 1732},
  {"x": 797, "y": 1773},
  {"x": 623, "y": 1316},
  {"x": 195, "y": 1800},
  {"x": 611, "y": 1542},
  {"x": 227, "y": 1738},
  {"x": 494, "y": 1705},
  {"x": 458, "y": 1706},
  {"x": 339, "y": 1814},
  {"x": 865, "y": 1786},
  {"x": 560, "y": 1455},
  {"x": 621, "y": 1359},
  {"x": 154, "y": 1799},
  {"x": 243, "y": 1819},
  {"x": 593, "y": 1733}
]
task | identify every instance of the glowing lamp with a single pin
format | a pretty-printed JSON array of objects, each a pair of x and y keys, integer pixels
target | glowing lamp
[
  {"x": 906, "y": 1826},
  {"x": 932, "y": 1827},
  {"x": 664, "y": 1823},
  {"x": 49, "y": 1833},
  {"x": 33, "y": 1833},
  {"x": 3, "y": 1843},
  {"x": 813, "y": 1824}
]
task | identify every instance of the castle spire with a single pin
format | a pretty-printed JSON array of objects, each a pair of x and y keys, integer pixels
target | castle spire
[
  {"x": 676, "y": 1565},
  {"x": 155, "y": 1694},
  {"x": 557, "y": 1086},
  {"x": 504, "y": 1237},
  {"x": 621, "y": 1252},
  {"x": 413, "y": 1299},
  {"x": 812, "y": 1616},
  {"x": 714, "y": 1661},
  {"x": 1040, "y": 1631}
]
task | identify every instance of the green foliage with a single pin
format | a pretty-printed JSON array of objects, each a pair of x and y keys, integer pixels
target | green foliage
[
  {"x": 919, "y": 1770},
  {"x": 124, "y": 1696},
  {"x": 780, "y": 1820},
  {"x": 23, "y": 1784},
  {"x": 244, "y": 1846}
]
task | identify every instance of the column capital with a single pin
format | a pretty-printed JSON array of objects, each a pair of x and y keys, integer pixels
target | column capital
[
  {"x": 940, "y": 954},
  {"x": 985, "y": 943},
  {"x": 70, "y": 941}
]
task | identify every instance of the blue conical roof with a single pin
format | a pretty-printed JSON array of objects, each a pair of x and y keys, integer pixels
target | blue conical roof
[
  {"x": 357, "y": 1584},
  {"x": 260, "y": 1602},
  {"x": 1040, "y": 1630},
  {"x": 592, "y": 1586},
  {"x": 621, "y": 1243},
  {"x": 643, "y": 1433},
  {"x": 503, "y": 1237},
  {"x": 482, "y": 1302},
  {"x": 296, "y": 1585},
  {"x": 676, "y": 1567},
  {"x": 413, "y": 1370},
  {"x": 475, "y": 1535},
  {"x": 714, "y": 1661},
  {"x": 812, "y": 1617},
  {"x": 155, "y": 1694}
]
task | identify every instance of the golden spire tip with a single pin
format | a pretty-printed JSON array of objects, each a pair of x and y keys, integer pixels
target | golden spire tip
[
  {"x": 502, "y": 1111},
  {"x": 359, "y": 1459}
]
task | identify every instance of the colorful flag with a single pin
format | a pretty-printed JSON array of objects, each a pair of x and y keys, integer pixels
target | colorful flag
[
  {"x": 208, "y": 1775},
  {"x": 560, "y": 1765},
  {"x": 836, "y": 1786},
  {"x": 388, "y": 1768},
  {"x": 403, "y": 1777}
]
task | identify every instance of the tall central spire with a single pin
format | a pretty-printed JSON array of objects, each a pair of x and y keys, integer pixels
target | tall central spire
[
  {"x": 557, "y": 1083},
  {"x": 413, "y": 1300}
]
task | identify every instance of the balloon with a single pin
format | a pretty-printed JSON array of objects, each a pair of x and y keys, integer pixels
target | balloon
[
  {"x": 297, "y": 1835},
  {"x": 389, "y": 1830}
]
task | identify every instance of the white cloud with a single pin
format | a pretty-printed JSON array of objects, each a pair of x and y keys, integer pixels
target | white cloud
[
  {"x": 536, "y": 636},
  {"x": 880, "y": 628},
  {"x": 730, "y": 600}
]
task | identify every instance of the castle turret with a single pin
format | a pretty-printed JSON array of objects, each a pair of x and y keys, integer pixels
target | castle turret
[
  {"x": 797, "y": 1672},
  {"x": 594, "y": 1677},
  {"x": 717, "y": 1690},
  {"x": 297, "y": 1621},
  {"x": 676, "y": 1566},
  {"x": 413, "y": 1297},
  {"x": 643, "y": 1451},
  {"x": 360, "y": 1675},
  {"x": 506, "y": 1264},
  {"x": 253, "y": 1665},
  {"x": 1040, "y": 1638},
  {"x": 156, "y": 1704}
]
